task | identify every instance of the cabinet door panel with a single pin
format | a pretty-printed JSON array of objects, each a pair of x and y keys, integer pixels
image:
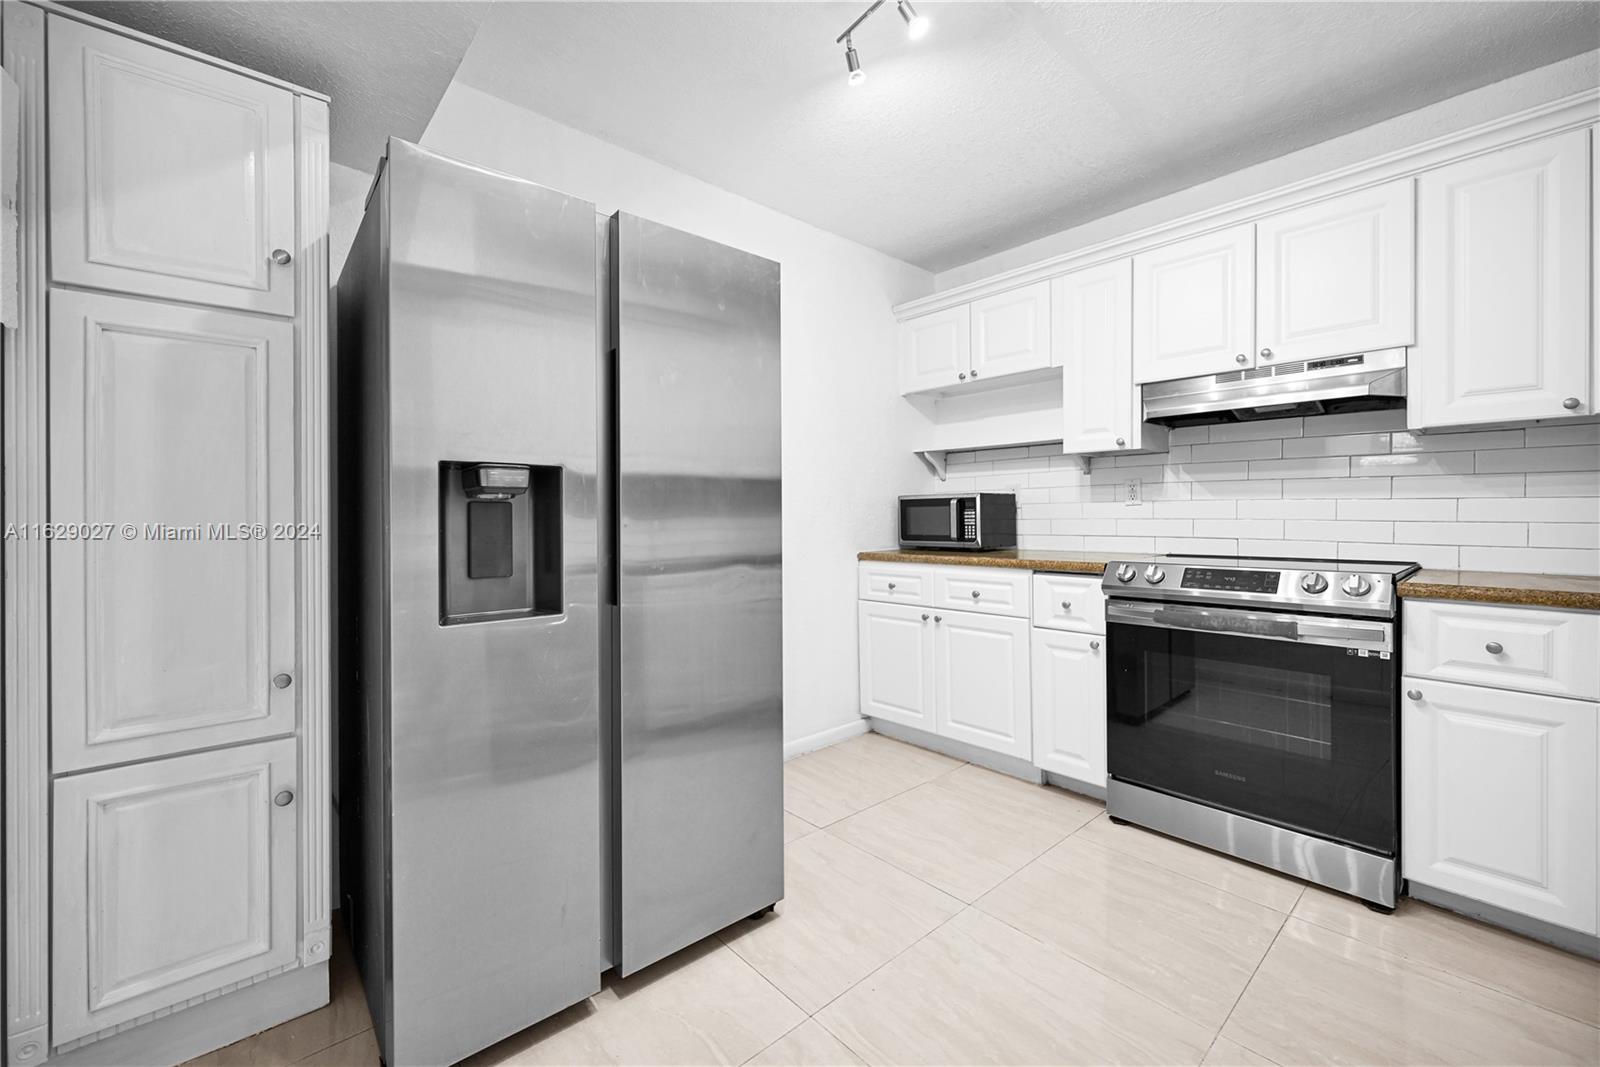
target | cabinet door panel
[
  {"x": 174, "y": 878},
  {"x": 1011, "y": 331},
  {"x": 1337, "y": 277},
  {"x": 1498, "y": 799},
  {"x": 1503, "y": 287},
  {"x": 1069, "y": 705},
  {"x": 936, "y": 349},
  {"x": 981, "y": 687},
  {"x": 169, "y": 177},
  {"x": 166, "y": 420},
  {"x": 897, "y": 664},
  {"x": 1091, "y": 331},
  {"x": 1194, "y": 307}
]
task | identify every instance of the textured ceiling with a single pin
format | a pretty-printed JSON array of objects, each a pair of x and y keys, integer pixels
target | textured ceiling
[
  {"x": 385, "y": 65},
  {"x": 1008, "y": 121}
]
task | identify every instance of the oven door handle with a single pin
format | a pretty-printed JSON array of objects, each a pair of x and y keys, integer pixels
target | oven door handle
[{"x": 1273, "y": 626}]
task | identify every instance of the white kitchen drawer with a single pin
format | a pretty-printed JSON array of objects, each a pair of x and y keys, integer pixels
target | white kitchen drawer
[
  {"x": 1531, "y": 650},
  {"x": 988, "y": 590},
  {"x": 896, "y": 583},
  {"x": 1069, "y": 602}
]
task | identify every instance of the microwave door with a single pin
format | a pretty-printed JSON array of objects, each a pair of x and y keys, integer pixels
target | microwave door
[{"x": 928, "y": 521}]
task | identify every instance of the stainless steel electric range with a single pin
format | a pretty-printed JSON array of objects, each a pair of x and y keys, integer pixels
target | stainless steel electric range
[{"x": 1253, "y": 708}]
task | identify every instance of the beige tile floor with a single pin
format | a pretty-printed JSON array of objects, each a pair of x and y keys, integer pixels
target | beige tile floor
[{"x": 938, "y": 913}]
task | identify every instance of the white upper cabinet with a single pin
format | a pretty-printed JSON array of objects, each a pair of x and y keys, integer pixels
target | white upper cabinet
[
  {"x": 936, "y": 349},
  {"x": 1194, "y": 306},
  {"x": 1011, "y": 332},
  {"x": 166, "y": 419},
  {"x": 174, "y": 878},
  {"x": 1091, "y": 315},
  {"x": 1337, "y": 277},
  {"x": 1504, "y": 287},
  {"x": 168, "y": 177}
]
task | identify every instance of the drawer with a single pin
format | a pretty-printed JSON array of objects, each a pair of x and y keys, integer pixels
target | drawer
[
  {"x": 988, "y": 590},
  {"x": 1069, "y": 602},
  {"x": 1527, "y": 649},
  {"x": 896, "y": 583}
]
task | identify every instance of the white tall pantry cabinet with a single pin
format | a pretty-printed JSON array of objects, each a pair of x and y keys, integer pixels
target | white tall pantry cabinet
[{"x": 166, "y": 654}]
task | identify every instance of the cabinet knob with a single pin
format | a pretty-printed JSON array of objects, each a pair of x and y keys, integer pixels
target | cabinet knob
[
  {"x": 1066, "y": 605},
  {"x": 1494, "y": 648},
  {"x": 1121, "y": 441},
  {"x": 1094, "y": 646},
  {"x": 891, "y": 585},
  {"x": 1240, "y": 358},
  {"x": 924, "y": 616},
  {"x": 962, "y": 376},
  {"x": 975, "y": 594},
  {"x": 1414, "y": 694},
  {"x": 1570, "y": 403},
  {"x": 938, "y": 618},
  {"x": 974, "y": 374},
  {"x": 1266, "y": 353},
  {"x": 284, "y": 798},
  {"x": 281, "y": 681},
  {"x": 281, "y": 256}
]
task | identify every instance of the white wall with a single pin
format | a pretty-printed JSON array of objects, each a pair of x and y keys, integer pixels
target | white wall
[
  {"x": 1503, "y": 98},
  {"x": 845, "y": 456}
]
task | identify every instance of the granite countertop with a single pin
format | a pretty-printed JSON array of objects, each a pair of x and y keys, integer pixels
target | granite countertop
[
  {"x": 1505, "y": 587},
  {"x": 1574, "y": 592}
]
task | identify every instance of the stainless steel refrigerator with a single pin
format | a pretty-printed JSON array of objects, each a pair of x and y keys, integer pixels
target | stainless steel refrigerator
[{"x": 559, "y": 599}]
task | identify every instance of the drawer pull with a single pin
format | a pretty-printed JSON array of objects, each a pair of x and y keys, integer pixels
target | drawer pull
[
  {"x": 975, "y": 594},
  {"x": 891, "y": 587},
  {"x": 1494, "y": 648},
  {"x": 1066, "y": 605},
  {"x": 1414, "y": 694},
  {"x": 1094, "y": 646}
]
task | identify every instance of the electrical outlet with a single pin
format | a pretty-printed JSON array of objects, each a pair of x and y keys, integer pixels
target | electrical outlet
[{"x": 1130, "y": 493}]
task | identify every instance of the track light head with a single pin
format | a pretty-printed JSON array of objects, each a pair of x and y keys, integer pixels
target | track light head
[
  {"x": 916, "y": 25},
  {"x": 853, "y": 63}
]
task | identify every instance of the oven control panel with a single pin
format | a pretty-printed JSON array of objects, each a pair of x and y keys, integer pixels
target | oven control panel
[{"x": 1305, "y": 585}]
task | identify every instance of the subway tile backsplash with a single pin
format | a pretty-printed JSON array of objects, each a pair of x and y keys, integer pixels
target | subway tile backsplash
[{"x": 1343, "y": 486}]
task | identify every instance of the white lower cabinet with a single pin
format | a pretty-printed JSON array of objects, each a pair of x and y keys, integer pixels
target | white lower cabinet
[
  {"x": 1069, "y": 704},
  {"x": 1498, "y": 799},
  {"x": 980, "y": 665},
  {"x": 897, "y": 663},
  {"x": 174, "y": 878}
]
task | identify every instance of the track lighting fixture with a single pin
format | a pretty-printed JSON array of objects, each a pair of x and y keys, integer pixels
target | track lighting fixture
[
  {"x": 916, "y": 29},
  {"x": 853, "y": 63},
  {"x": 916, "y": 25}
]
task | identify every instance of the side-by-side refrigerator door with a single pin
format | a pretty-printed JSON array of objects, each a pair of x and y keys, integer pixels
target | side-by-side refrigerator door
[{"x": 700, "y": 670}]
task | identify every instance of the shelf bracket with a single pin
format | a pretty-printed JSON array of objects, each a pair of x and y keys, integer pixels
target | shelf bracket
[
  {"x": 1083, "y": 463},
  {"x": 934, "y": 461}
]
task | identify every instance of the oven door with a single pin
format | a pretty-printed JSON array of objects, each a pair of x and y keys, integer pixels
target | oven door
[
  {"x": 1288, "y": 719},
  {"x": 934, "y": 521}
]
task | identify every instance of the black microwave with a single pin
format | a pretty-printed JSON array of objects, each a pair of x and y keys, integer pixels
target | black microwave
[{"x": 975, "y": 522}]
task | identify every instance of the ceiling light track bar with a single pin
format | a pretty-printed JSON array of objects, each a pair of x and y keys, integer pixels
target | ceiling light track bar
[{"x": 859, "y": 20}]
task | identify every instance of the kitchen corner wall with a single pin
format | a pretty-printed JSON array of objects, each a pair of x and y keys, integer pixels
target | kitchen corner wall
[
  {"x": 846, "y": 450},
  {"x": 1329, "y": 486}
]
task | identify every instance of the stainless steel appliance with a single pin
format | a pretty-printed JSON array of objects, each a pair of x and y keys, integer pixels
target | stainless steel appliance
[
  {"x": 1362, "y": 381},
  {"x": 560, "y": 614},
  {"x": 974, "y": 522},
  {"x": 1253, "y": 707}
]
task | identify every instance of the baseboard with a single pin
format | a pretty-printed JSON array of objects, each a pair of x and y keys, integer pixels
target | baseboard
[
  {"x": 1015, "y": 766},
  {"x": 1072, "y": 785},
  {"x": 1571, "y": 940},
  {"x": 207, "y": 1027},
  {"x": 823, "y": 738}
]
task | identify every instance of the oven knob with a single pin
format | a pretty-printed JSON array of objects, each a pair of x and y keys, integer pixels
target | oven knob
[
  {"x": 1357, "y": 585},
  {"x": 1313, "y": 583},
  {"x": 1125, "y": 573},
  {"x": 1154, "y": 575}
]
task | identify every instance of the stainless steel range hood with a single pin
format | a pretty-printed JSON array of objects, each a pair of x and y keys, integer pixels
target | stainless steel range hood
[{"x": 1362, "y": 382}]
